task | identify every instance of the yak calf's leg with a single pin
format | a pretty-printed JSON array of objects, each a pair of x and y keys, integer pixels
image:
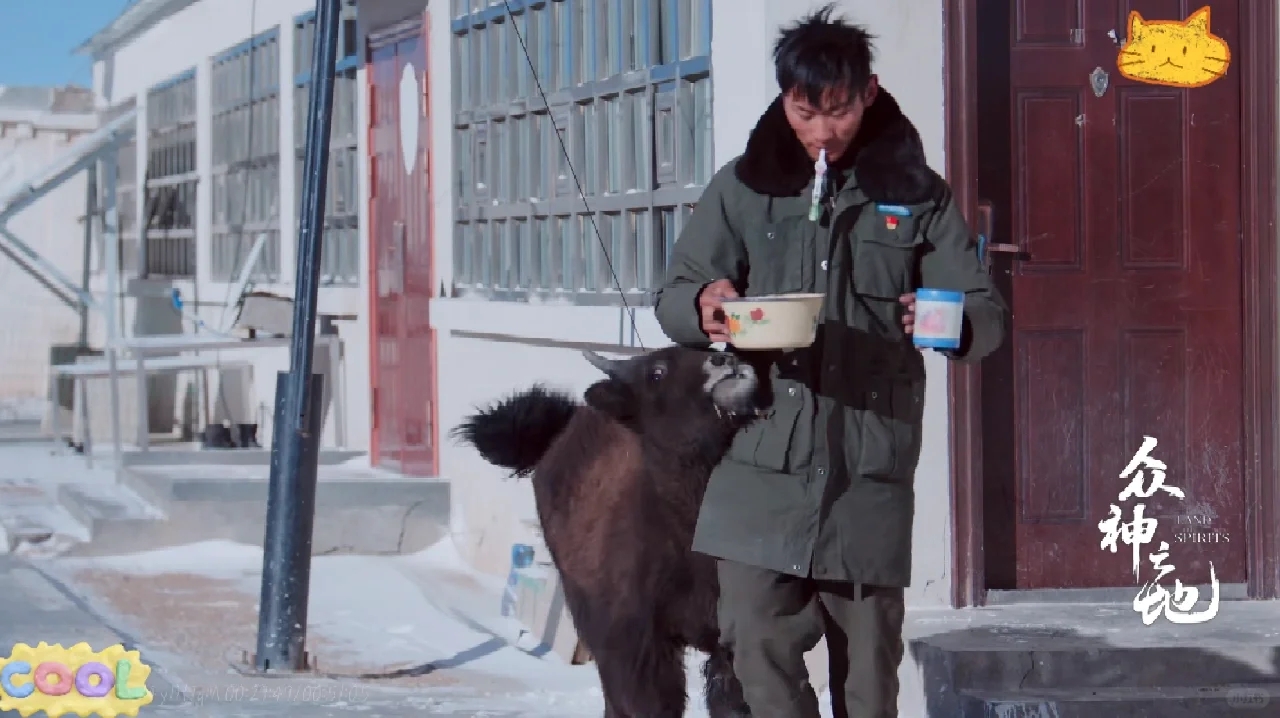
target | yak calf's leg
[
  {"x": 615, "y": 683},
  {"x": 723, "y": 690},
  {"x": 643, "y": 682}
]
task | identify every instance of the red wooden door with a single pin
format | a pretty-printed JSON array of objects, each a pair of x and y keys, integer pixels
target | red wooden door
[
  {"x": 404, "y": 374},
  {"x": 1127, "y": 316}
]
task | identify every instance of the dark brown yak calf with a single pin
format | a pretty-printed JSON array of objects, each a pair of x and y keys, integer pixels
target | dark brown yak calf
[{"x": 618, "y": 482}]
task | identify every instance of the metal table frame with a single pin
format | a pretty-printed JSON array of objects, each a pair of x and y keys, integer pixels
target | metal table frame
[{"x": 157, "y": 349}]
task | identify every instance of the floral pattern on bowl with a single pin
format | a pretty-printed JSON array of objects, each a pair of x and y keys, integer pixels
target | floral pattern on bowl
[{"x": 753, "y": 318}]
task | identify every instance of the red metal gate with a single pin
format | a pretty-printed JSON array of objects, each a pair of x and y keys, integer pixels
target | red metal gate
[{"x": 403, "y": 365}]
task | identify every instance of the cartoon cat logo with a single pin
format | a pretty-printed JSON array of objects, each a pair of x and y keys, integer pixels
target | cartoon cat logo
[{"x": 1174, "y": 53}]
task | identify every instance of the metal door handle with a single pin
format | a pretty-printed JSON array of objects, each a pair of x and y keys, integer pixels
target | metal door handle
[
  {"x": 1009, "y": 248},
  {"x": 986, "y": 226}
]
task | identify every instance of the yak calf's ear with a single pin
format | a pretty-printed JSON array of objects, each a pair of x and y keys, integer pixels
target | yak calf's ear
[{"x": 613, "y": 398}]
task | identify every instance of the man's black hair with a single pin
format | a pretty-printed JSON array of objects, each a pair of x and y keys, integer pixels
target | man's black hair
[{"x": 819, "y": 54}]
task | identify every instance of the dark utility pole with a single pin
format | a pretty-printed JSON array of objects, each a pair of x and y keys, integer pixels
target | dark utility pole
[{"x": 295, "y": 441}]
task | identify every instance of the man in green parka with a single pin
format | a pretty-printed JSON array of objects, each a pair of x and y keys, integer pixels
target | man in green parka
[{"x": 811, "y": 512}]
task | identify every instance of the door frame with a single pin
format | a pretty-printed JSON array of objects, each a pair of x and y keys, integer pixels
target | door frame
[
  {"x": 1257, "y": 61},
  {"x": 416, "y": 22}
]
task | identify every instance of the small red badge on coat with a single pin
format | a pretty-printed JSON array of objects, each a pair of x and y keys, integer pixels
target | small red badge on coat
[{"x": 891, "y": 222}]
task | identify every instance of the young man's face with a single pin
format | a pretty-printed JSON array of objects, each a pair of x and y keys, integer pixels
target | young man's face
[{"x": 832, "y": 126}]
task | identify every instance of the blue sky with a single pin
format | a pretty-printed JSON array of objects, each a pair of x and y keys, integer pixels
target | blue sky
[{"x": 37, "y": 37}]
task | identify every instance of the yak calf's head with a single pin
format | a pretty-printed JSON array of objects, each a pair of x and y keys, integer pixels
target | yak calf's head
[{"x": 694, "y": 388}]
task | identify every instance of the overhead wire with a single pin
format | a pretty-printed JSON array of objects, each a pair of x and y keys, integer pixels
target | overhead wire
[{"x": 243, "y": 170}]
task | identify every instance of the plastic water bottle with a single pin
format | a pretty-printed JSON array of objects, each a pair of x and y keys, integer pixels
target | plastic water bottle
[{"x": 521, "y": 557}]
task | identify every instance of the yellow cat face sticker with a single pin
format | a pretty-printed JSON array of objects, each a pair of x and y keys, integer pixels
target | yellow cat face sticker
[{"x": 1174, "y": 53}]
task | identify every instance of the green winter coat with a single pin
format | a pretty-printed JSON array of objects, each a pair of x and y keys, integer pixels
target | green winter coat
[{"x": 824, "y": 484}]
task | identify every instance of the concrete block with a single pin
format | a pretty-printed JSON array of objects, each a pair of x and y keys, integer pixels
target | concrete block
[{"x": 541, "y": 608}]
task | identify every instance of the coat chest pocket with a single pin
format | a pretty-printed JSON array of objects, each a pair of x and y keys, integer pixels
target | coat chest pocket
[
  {"x": 777, "y": 254},
  {"x": 886, "y": 253}
]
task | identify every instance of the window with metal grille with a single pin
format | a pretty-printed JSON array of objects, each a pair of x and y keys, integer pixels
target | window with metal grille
[
  {"x": 340, "y": 257},
  {"x": 583, "y": 195},
  {"x": 246, "y": 158},
  {"x": 169, "y": 249}
]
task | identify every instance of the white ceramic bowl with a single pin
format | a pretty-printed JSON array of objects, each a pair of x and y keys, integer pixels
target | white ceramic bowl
[{"x": 777, "y": 321}]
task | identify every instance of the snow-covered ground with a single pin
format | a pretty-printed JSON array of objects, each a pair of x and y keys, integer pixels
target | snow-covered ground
[
  {"x": 381, "y": 611},
  {"x": 48, "y": 462},
  {"x": 371, "y": 611}
]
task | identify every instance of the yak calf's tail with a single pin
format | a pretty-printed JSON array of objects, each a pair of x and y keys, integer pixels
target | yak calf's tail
[{"x": 515, "y": 432}]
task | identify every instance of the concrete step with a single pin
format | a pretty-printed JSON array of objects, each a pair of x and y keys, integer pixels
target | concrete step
[
  {"x": 1100, "y": 660},
  {"x": 1049, "y": 667},
  {"x": 159, "y": 457},
  {"x": 21, "y": 431},
  {"x": 33, "y": 523},
  {"x": 119, "y": 521},
  {"x": 1123, "y": 702},
  {"x": 357, "y": 511}
]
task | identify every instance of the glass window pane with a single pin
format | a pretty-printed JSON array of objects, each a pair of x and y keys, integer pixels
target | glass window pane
[
  {"x": 502, "y": 190},
  {"x": 560, "y": 148},
  {"x": 640, "y": 227},
  {"x": 528, "y": 243},
  {"x": 611, "y": 126},
  {"x": 641, "y": 140},
  {"x": 578, "y": 145},
  {"x": 584, "y": 272},
  {"x": 636, "y": 13},
  {"x": 700, "y": 28},
  {"x": 667, "y": 231},
  {"x": 562, "y": 51},
  {"x": 519, "y": 149},
  {"x": 684, "y": 26},
  {"x": 670, "y": 13},
  {"x": 476, "y": 41},
  {"x": 615, "y": 37},
  {"x": 591, "y": 149},
  {"x": 500, "y": 64},
  {"x": 501, "y": 255},
  {"x": 556, "y": 254},
  {"x": 623, "y": 254},
  {"x": 480, "y": 162},
  {"x": 537, "y": 151},
  {"x": 703, "y": 132},
  {"x": 604, "y": 254},
  {"x": 547, "y": 47},
  {"x": 463, "y": 166},
  {"x": 461, "y": 71},
  {"x": 533, "y": 60},
  {"x": 461, "y": 254},
  {"x": 582, "y": 38}
]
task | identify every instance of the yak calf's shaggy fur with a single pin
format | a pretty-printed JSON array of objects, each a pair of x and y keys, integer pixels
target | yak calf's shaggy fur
[{"x": 618, "y": 482}]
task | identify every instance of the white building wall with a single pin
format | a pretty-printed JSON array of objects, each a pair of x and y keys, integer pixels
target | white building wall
[
  {"x": 190, "y": 38},
  {"x": 489, "y": 510},
  {"x": 34, "y": 318}
]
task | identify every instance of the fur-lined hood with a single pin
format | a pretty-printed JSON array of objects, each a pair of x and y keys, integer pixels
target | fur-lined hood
[{"x": 888, "y": 157}]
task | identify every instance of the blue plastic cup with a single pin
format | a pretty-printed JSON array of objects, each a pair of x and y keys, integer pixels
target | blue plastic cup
[{"x": 939, "y": 318}]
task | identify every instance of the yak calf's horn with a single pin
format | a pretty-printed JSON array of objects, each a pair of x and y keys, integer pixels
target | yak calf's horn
[{"x": 608, "y": 366}]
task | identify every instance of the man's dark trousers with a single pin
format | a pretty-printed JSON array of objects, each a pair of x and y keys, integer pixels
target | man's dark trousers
[{"x": 771, "y": 620}]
